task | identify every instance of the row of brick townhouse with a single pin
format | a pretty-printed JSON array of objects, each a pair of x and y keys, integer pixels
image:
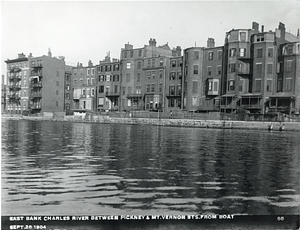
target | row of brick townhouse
[{"x": 254, "y": 70}]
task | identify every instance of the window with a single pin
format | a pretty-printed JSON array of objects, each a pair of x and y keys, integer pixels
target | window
[
  {"x": 67, "y": 106},
  {"x": 196, "y": 55},
  {"x": 138, "y": 89},
  {"x": 68, "y": 87},
  {"x": 129, "y": 90},
  {"x": 88, "y": 71},
  {"x": 269, "y": 85},
  {"x": 259, "y": 52},
  {"x": 116, "y": 89},
  {"x": 194, "y": 101},
  {"x": 140, "y": 53},
  {"x": 101, "y": 101},
  {"x": 92, "y": 81},
  {"x": 210, "y": 55},
  {"x": 138, "y": 77},
  {"x": 180, "y": 63},
  {"x": 127, "y": 77},
  {"x": 128, "y": 65},
  {"x": 93, "y": 92},
  {"x": 101, "y": 89},
  {"x": 123, "y": 90},
  {"x": 83, "y": 92},
  {"x": 231, "y": 67},
  {"x": 179, "y": 75},
  {"x": 257, "y": 85},
  {"x": 216, "y": 86},
  {"x": 67, "y": 96},
  {"x": 116, "y": 67},
  {"x": 160, "y": 87},
  {"x": 93, "y": 71},
  {"x": 88, "y": 81},
  {"x": 172, "y": 75},
  {"x": 242, "y": 52},
  {"x": 153, "y": 74},
  {"x": 139, "y": 64},
  {"x": 108, "y": 78},
  {"x": 152, "y": 87},
  {"x": 148, "y": 88},
  {"x": 148, "y": 74},
  {"x": 289, "y": 49},
  {"x": 57, "y": 73},
  {"x": 57, "y": 92},
  {"x": 160, "y": 73},
  {"x": 288, "y": 85},
  {"x": 195, "y": 86},
  {"x": 116, "y": 77},
  {"x": 232, "y": 52},
  {"x": 208, "y": 70},
  {"x": 149, "y": 63},
  {"x": 178, "y": 90},
  {"x": 81, "y": 80},
  {"x": 195, "y": 69},
  {"x": 172, "y": 90},
  {"x": 161, "y": 62},
  {"x": 125, "y": 54},
  {"x": 219, "y": 70},
  {"x": 260, "y": 38},
  {"x": 241, "y": 82},
  {"x": 270, "y": 68},
  {"x": 289, "y": 65},
  {"x": 242, "y": 36},
  {"x": 153, "y": 62},
  {"x": 270, "y": 52},
  {"x": 57, "y": 103},
  {"x": 173, "y": 63},
  {"x": 131, "y": 53},
  {"x": 258, "y": 68},
  {"x": 231, "y": 85}
]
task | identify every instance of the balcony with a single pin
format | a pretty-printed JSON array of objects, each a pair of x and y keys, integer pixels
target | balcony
[
  {"x": 173, "y": 95},
  {"x": 37, "y": 65},
  {"x": 134, "y": 95},
  {"x": 112, "y": 94},
  {"x": 15, "y": 78},
  {"x": 14, "y": 97},
  {"x": 36, "y": 85},
  {"x": 36, "y": 94},
  {"x": 14, "y": 87},
  {"x": 15, "y": 69},
  {"x": 36, "y": 106}
]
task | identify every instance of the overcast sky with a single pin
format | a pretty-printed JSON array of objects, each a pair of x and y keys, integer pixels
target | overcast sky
[{"x": 83, "y": 31}]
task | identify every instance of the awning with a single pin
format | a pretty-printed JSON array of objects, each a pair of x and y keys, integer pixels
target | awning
[
  {"x": 228, "y": 95},
  {"x": 283, "y": 95},
  {"x": 134, "y": 96},
  {"x": 252, "y": 95}
]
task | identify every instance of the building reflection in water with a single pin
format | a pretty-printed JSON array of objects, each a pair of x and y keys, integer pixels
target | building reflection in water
[{"x": 116, "y": 168}]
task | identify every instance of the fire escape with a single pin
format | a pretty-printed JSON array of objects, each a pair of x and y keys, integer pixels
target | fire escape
[
  {"x": 36, "y": 88},
  {"x": 14, "y": 86}
]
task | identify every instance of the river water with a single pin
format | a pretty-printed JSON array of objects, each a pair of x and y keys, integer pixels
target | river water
[{"x": 60, "y": 168}]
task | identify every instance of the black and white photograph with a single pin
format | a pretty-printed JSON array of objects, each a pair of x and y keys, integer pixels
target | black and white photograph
[{"x": 150, "y": 115}]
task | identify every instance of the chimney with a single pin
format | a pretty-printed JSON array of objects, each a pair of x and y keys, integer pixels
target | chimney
[
  {"x": 90, "y": 63},
  {"x": 281, "y": 27},
  {"x": 150, "y": 42},
  {"x": 30, "y": 55},
  {"x": 178, "y": 50},
  {"x": 255, "y": 26},
  {"x": 298, "y": 34},
  {"x": 262, "y": 28},
  {"x": 154, "y": 42},
  {"x": 49, "y": 52},
  {"x": 21, "y": 55},
  {"x": 210, "y": 42}
]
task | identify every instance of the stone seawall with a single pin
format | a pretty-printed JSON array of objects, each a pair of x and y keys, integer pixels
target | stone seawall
[{"x": 220, "y": 124}]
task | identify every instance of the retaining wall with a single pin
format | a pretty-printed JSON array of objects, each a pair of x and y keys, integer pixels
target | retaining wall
[{"x": 220, "y": 124}]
